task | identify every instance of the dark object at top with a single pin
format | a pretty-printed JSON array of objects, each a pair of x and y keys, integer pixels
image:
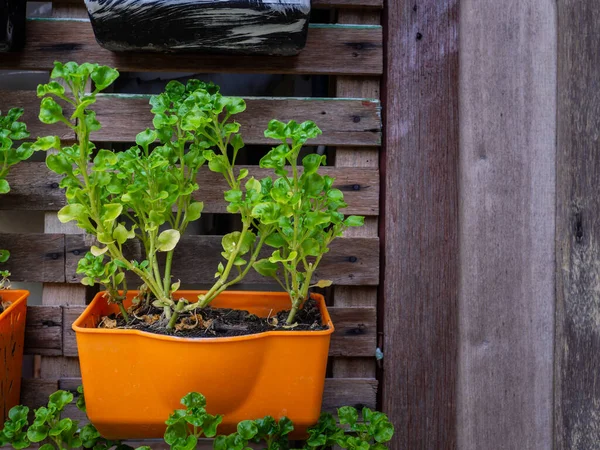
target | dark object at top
[
  {"x": 271, "y": 27},
  {"x": 12, "y": 24}
]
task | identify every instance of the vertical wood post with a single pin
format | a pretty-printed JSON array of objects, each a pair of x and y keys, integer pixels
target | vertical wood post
[
  {"x": 577, "y": 348},
  {"x": 420, "y": 227}
]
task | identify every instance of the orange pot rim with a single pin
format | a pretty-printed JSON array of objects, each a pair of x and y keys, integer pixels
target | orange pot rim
[
  {"x": 208, "y": 340},
  {"x": 21, "y": 297}
]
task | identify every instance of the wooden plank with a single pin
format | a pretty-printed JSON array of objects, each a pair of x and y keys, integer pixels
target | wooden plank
[
  {"x": 338, "y": 392},
  {"x": 316, "y": 4},
  {"x": 330, "y": 49},
  {"x": 49, "y": 328},
  {"x": 348, "y": 121},
  {"x": 34, "y": 187},
  {"x": 507, "y": 167},
  {"x": 349, "y": 261},
  {"x": 420, "y": 225},
  {"x": 577, "y": 356},
  {"x": 44, "y": 331},
  {"x": 35, "y": 257},
  {"x": 365, "y": 158}
]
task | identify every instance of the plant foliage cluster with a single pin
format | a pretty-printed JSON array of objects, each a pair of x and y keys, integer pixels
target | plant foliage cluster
[
  {"x": 185, "y": 427},
  {"x": 147, "y": 193}
]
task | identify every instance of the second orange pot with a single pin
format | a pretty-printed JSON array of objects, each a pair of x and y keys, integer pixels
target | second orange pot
[
  {"x": 12, "y": 335},
  {"x": 133, "y": 380}
]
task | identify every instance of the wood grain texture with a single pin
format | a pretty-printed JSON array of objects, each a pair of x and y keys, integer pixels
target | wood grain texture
[
  {"x": 349, "y": 261},
  {"x": 317, "y": 4},
  {"x": 507, "y": 167},
  {"x": 35, "y": 257},
  {"x": 34, "y": 187},
  {"x": 329, "y": 50},
  {"x": 577, "y": 348},
  {"x": 347, "y": 158},
  {"x": 355, "y": 121},
  {"x": 420, "y": 225},
  {"x": 49, "y": 331},
  {"x": 338, "y": 392}
]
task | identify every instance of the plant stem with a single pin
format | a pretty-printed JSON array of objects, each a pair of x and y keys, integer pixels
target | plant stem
[
  {"x": 123, "y": 310},
  {"x": 175, "y": 316},
  {"x": 167, "y": 279}
]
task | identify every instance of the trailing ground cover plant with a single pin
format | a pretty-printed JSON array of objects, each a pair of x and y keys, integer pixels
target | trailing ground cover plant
[
  {"x": 11, "y": 129},
  {"x": 50, "y": 430},
  {"x": 303, "y": 210}
]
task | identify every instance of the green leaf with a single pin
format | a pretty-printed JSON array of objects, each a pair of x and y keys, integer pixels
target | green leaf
[
  {"x": 235, "y": 105},
  {"x": 247, "y": 429},
  {"x": 74, "y": 211},
  {"x": 268, "y": 212},
  {"x": 4, "y": 255},
  {"x": 50, "y": 111},
  {"x": 348, "y": 415},
  {"x": 323, "y": 283},
  {"x": 194, "y": 211},
  {"x": 4, "y": 187},
  {"x": 120, "y": 234},
  {"x": 37, "y": 433},
  {"x": 286, "y": 426},
  {"x": 98, "y": 251},
  {"x": 311, "y": 163},
  {"x": 253, "y": 185},
  {"x": 383, "y": 431},
  {"x": 145, "y": 138},
  {"x": 104, "y": 76},
  {"x": 194, "y": 400},
  {"x": 53, "y": 87},
  {"x": 46, "y": 447},
  {"x": 111, "y": 211},
  {"x": 60, "y": 399},
  {"x": 265, "y": 267},
  {"x": 233, "y": 195},
  {"x": 275, "y": 240},
  {"x": 310, "y": 247},
  {"x": 354, "y": 221},
  {"x": 59, "y": 164},
  {"x": 276, "y": 257},
  {"x": 105, "y": 160},
  {"x": 243, "y": 174},
  {"x": 276, "y": 130},
  {"x": 167, "y": 240},
  {"x": 46, "y": 143},
  {"x": 210, "y": 425}
]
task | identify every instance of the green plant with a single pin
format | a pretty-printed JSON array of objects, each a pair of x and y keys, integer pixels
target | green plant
[
  {"x": 11, "y": 129},
  {"x": 186, "y": 426},
  {"x": 303, "y": 210},
  {"x": 50, "y": 430}
]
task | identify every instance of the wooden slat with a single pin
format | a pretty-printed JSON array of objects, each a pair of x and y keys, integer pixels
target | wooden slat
[
  {"x": 49, "y": 331},
  {"x": 34, "y": 187},
  {"x": 353, "y": 122},
  {"x": 330, "y": 49},
  {"x": 577, "y": 345},
  {"x": 349, "y": 262},
  {"x": 420, "y": 223},
  {"x": 53, "y": 258},
  {"x": 348, "y": 159},
  {"x": 507, "y": 185},
  {"x": 316, "y": 4},
  {"x": 44, "y": 330},
  {"x": 35, "y": 257},
  {"x": 338, "y": 392}
]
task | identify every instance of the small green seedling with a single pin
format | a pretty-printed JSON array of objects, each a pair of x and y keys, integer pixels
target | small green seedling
[
  {"x": 50, "y": 430},
  {"x": 304, "y": 210}
]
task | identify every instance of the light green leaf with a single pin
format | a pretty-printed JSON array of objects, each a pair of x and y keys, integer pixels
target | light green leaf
[
  {"x": 4, "y": 187},
  {"x": 194, "y": 211},
  {"x": 74, "y": 211},
  {"x": 120, "y": 234},
  {"x": 50, "y": 111},
  {"x": 167, "y": 240},
  {"x": 98, "y": 251}
]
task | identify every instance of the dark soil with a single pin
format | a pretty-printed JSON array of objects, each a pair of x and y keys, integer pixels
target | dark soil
[
  {"x": 4, "y": 305},
  {"x": 217, "y": 322}
]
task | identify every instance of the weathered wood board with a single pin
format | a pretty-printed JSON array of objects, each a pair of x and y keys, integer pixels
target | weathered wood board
[
  {"x": 577, "y": 347},
  {"x": 330, "y": 49},
  {"x": 344, "y": 121},
  {"x": 507, "y": 185},
  {"x": 34, "y": 187},
  {"x": 420, "y": 219}
]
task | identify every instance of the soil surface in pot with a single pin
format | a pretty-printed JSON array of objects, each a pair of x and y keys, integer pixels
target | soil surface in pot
[
  {"x": 4, "y": 304},
  {"x": 217, "y": 322}
]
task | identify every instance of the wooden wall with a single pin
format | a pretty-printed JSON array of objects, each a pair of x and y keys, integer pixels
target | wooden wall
[{"x": 349, "y": 51}]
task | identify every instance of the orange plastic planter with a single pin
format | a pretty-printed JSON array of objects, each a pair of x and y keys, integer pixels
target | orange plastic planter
[
  {"x": 133, "y": 379},
  {"x": 12, "y": 335}
]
